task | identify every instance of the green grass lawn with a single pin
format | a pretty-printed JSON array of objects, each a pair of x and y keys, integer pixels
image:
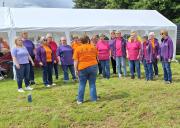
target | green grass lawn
[{"x": 124, "y": 103}]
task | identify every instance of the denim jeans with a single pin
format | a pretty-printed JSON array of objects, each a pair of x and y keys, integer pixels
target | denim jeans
[
  {"x": 121, "y": 61},
  {"x": 31, "y": 72},
  {"x": 135, "y": 64},
  {"x": 66, "y": 74},
  {"x": 22, "y": 73},
  {"x": 148, "y": 70},
  {"x": 155, "y": 65},
  {"x": 167, "y": 71},
  {"x": 47, "y": 74},
  {"x": 55, "y": 65},
  {"x": 89, "y": 74},
  {"x": 105, "y": 68}
]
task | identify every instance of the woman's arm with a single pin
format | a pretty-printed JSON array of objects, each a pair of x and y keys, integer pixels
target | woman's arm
[
  {"x": 16, "y": 62},
  {"x": 76, "y": 66},
  {"x": 31, "y": 60}
]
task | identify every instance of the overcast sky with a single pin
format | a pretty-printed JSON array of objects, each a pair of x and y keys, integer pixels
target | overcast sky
[{"x": 37, "y": 3}]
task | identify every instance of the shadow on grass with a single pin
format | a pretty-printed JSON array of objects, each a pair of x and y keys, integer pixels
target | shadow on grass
[
  {"x": 176, "y": 80},
  {"x": 111, "y": 97}
]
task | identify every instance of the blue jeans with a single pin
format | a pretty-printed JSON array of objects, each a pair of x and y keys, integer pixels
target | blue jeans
[
  {"x": 65, "y": 70},
  {"x": 135, "y": 64},
  {"x": 31, "y": 73},
  {"x": 47, "y": 74},
  {"x": 55, "y": 65},
  {"x": 148, "y": 70},
  {"x": 167, "y": 71},
  {"x": 89, "y": 74},
  {"x": 105, "y": 68},
  {"x": 22, "y": 73},
  {"x": 121, "y": 61}
]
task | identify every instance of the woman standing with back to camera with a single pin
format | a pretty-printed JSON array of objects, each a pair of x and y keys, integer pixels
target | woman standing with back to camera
[{"x": 85, "y": 64}]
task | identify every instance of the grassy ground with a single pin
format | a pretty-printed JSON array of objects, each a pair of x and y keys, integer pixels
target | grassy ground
[{"x": 124, "y": 103}]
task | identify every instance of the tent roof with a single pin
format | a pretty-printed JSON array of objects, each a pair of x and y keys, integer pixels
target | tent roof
[
  {"x": 87, "y": 19},
  {"x": 5, "y": 19}
]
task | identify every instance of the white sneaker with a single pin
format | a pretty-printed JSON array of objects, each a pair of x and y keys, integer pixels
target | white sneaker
[
  {"x": 1, "y": 78},
  {"x": 20, "y": 90},
  {"x": 78, "y": 102},
  {"x": 48, "y": 86},
  {"x": 119, "y": 75},
  {"x": 53, "y": 84},
  {"x": 156, "y": 76},
  {"x": 28, "y": 88}
]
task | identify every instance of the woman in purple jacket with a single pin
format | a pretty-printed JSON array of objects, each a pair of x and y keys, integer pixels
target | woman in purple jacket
[
  {"x": 65, "y": 55},
  {"x": 147, "y": 57},
  {"x": 166, "y": 54},
  {"x": 45, "y": 59},
  {"x": 155, "y": 46}
]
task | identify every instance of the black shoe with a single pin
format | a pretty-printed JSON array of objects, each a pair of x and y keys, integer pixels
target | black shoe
[
  {"x": 32, "y": 83},
  {"x": 132, "y": 77}
]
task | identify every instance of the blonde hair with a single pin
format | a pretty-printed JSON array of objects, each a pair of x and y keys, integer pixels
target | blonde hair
[
  {"x": 138, "y": 38},
  {"x": 16, "y": 40},
  {"x": 165, "y": 32}
]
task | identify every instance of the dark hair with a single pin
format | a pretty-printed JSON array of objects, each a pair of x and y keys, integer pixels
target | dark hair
[
  {"x": 85, "y": 39},
  {"x": 145, "y": 37}
]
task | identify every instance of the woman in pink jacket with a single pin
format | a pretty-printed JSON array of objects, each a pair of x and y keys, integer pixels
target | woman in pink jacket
[
  {"x": 133, "y": 49},
  {"x": 104, "y": 55}
]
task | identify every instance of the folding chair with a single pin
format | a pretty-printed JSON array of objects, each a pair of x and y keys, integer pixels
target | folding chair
[{"x": 1, "y": 75}]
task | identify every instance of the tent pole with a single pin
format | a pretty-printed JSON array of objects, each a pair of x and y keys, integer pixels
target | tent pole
[
  {"x": 67, "y": 33},
  {"x": 174, "y": 44},
  {"x": 11, "y": 35}
]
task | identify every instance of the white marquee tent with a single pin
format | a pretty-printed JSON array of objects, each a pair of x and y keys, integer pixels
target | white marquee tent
[{"x": 69, "y": 21}]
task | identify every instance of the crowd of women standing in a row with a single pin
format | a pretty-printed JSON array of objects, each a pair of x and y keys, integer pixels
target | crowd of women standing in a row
[{"x": 84, "y": 54}]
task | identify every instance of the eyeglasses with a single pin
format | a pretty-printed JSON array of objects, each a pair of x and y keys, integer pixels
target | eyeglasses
[
  {"x": 161, "y": 34},
  {"x": 63, "y": 40},
  {"x": 44, "y": 39}
]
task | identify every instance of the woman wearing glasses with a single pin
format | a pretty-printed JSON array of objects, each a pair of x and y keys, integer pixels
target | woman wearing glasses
[
  {"x": 45, "y": 58},
  {"x": 166, "y": 54}
]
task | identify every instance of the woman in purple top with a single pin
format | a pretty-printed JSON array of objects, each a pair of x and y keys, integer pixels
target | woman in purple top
[
  {"x": 65, "y": 54},
  {"x": 21, "y": 60},
  {"x": 155, "y": 45},
  {"x": 30, "y": 47},
  {"x": 147, "y": 57},
  {"x": 166, "y": 54}
]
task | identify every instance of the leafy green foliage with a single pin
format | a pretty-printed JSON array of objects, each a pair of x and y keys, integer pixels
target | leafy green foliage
[{"x": 169, "y": 8}]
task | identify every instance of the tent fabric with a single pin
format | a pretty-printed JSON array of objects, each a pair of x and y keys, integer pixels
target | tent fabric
[
  {"x": 88, "y": 19},
  {"x": 15, "y": 20},
  {"x": 5, "y": 19}
]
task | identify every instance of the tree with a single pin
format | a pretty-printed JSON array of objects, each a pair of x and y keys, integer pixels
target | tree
[
  {"x": 169, "y": 8},
  {"x": 90, "y": 4}
]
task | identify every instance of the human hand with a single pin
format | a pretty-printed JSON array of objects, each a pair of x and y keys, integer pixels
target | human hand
[{"x": 40, "y": 63}]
